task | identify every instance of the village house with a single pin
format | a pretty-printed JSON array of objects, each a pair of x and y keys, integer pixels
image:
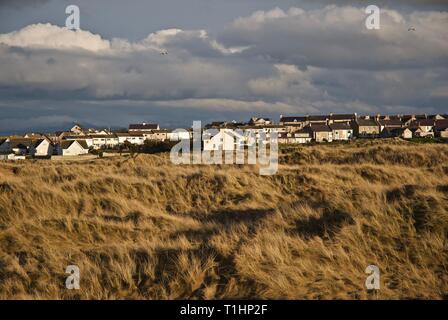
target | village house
[
  {"x": 263, "y": 131},
  {"x": 389, "y": 123},
  {"x": 366, "y": 127},
  {"x": 143, "y": 127},
  {"x": 225, "y": 139},
  {"x": 41, "y": 148},
  {"x": 321, "y": 132},
  {"x": 174, "y": 135},
  {"x": 289, "y": 138},
  {"x": 77, "y": 129},
  {"x": 73, "y": 148},
  {"x": 424, "y": 127},
  {"x": 342, "y": 118},
  {"x": 87, "y": 139},
  {"x": 441, "y": 128},
  {"x": 259, "y": 121},
  {"x": 404, "y": 133},
  {"x": 132, "y": 138},
  {"x": 318, "y": 119},
  {"x": 293, "y": 123},
  {"x": 157, "y": 135},
  {"x": 101, "y": 141},
  {"x": 303, "y": 136},
  {"x": 342, "y": 131},
  {"x": 34, "y": 135},
  {"x": 408, "y": 118},
  {"x": 436, "y": 117},
  {"x": 274, "y": 128}
]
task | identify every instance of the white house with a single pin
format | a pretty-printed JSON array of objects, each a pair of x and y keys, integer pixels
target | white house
[
  {"x": 132, "y": 138},
  {"x": 341, "y": 131},
  {"x": 100, "y": 141},
  {"x": 73, "y": 148},
  {"x": 41, "y": 148},
  {"x": 225, "y": 139},
  {"x": 254, "y": 121},
  {"x": 425, "y": 127},
  {"x": 87, "y": 139},
  {"x": 321, "y": 132},
  {"x": 76, "y": 129},
  {"x": 179, "y": 135},
  {"x": 159, "y": 135},
  {"x": 303, "y": 136}
]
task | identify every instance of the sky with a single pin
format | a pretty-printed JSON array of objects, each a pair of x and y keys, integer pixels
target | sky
[{"x": 227, "y": 60}]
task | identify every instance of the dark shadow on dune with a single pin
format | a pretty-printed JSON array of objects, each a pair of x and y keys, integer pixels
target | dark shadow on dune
[
  {"x": 223, "y": 220},
  {"x": 406, "y": 191},
  {"x": 134, "y": 216},
  {"x": 325, "y": 226},
  {"x": 251, "y": 216}
]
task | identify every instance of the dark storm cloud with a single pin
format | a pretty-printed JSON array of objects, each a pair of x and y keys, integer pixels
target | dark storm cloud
[
  {"x": 278, "y": 61},
  {"x": 21, "y": 3},
  {"x": 336, "y": 37}
]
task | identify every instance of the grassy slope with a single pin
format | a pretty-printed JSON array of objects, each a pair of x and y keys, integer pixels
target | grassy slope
[{"x": 143, "y": 228}]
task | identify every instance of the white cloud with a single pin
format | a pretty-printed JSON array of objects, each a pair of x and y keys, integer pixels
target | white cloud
[{"x": 47, "y": 36}]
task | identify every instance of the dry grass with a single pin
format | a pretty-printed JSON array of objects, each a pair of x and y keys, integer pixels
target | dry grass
[{"x": 145, "y": 229}]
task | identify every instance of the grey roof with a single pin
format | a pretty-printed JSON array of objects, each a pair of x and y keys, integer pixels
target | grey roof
[
  {"x": 320, "y": 128},
  {"x": 318, "y": 118},
  {"x": 423, "y": 122},
  {"x": 441, "y": 124},
  {"x": 21, "y": 142},
  {"x": 342, "y": 116},
  {"x": 67, "y": 144},
  {"x": 340, "y": 126},
  {"x": 391, "y": 122},
  {"x": 367, "y": 122}
]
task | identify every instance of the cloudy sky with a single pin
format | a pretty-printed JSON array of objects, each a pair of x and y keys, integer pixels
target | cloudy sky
[{"x": 226, "y": 60}]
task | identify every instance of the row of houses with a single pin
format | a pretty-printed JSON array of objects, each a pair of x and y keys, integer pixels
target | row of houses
[
  {"x": 346, "y": 127},
  {"x": 290, "y": 130},
  {"x": 20, "y": 147},
  {"x": 78, "y": 141},
  {"x": 340, "y": 127}
]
